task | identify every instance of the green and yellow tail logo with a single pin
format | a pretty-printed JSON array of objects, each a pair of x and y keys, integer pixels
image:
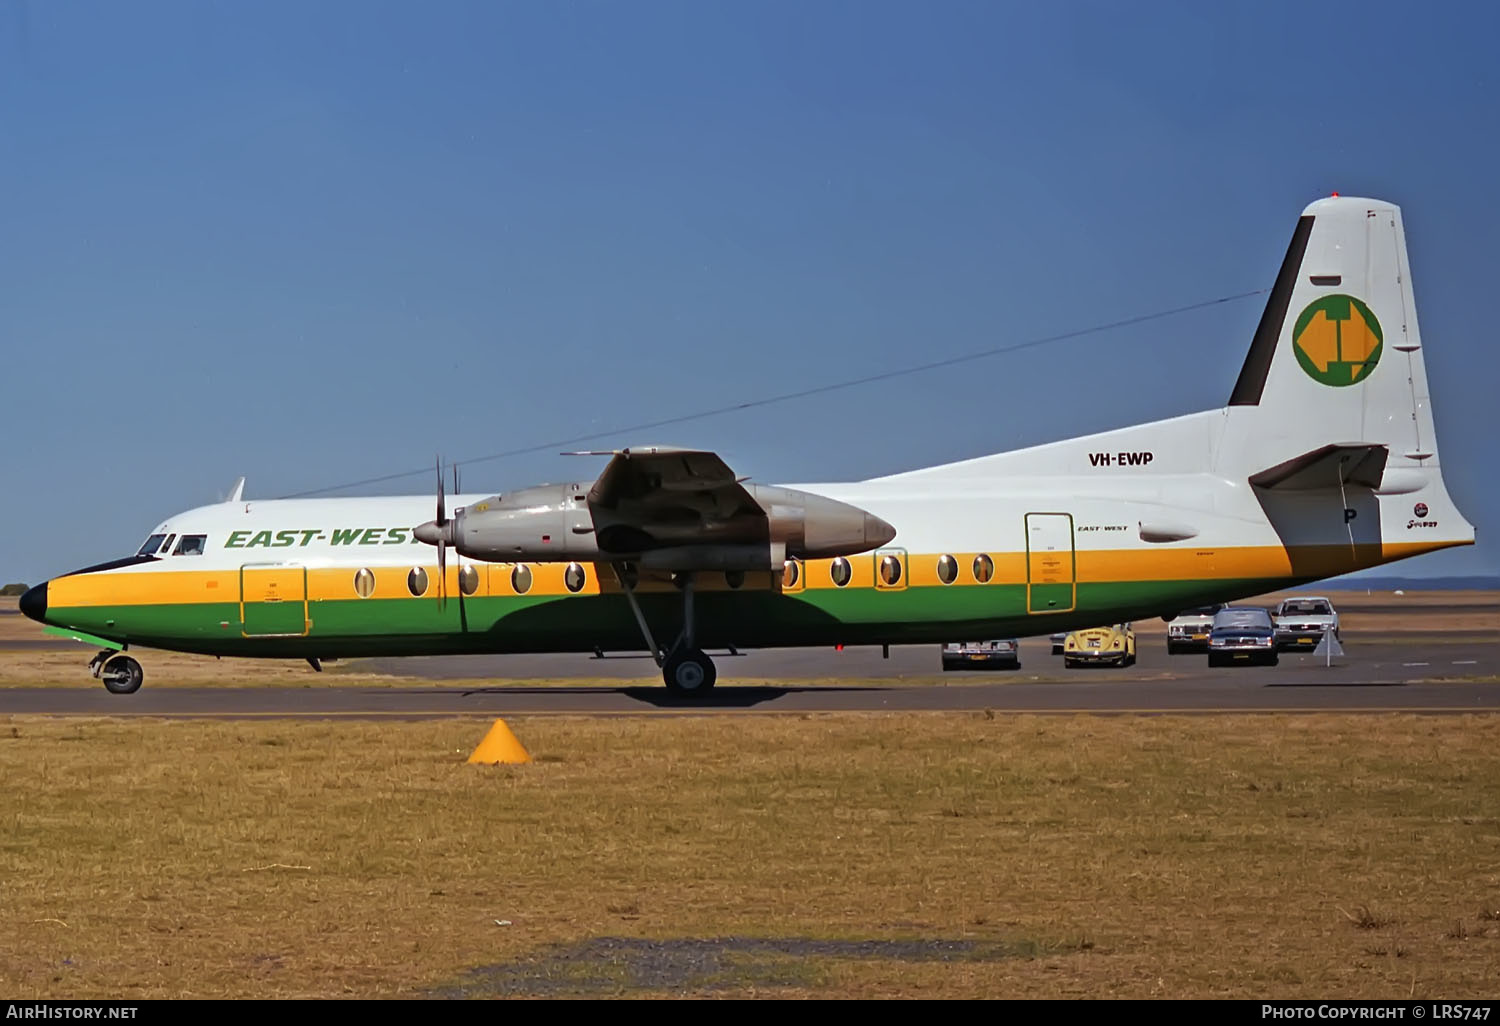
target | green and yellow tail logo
[{"x": 1337, "y": 340}]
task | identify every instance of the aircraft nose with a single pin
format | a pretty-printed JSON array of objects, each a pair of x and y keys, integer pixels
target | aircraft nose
[{"x": 34, "y": 602}]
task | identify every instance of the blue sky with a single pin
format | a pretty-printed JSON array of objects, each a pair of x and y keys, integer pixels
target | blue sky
[{"x": 312, "y": 243}]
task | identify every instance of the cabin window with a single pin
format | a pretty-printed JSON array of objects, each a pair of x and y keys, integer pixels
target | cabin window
[
  {"x": 468, "y": 580},
  {"x": 840, "y": 571},
  {"x": 191, "y": 545},
  {"x": 791, "y": 573},
  {"x": 984, "y": 568},
  {"x": 890, "y": 571},
  {"x": 152, "y": 544},
  {"x": 364, "y": 583},
  {"x": 734, "y": 578},
  {"x": 416, "y": 581},
  {"x": 520, "y": 578},
  {"x": 573, "y": 577},
  {"x": 947, "y": 569}
]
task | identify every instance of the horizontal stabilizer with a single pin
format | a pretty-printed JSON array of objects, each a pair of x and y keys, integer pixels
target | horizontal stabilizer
[{"x": 1332, "y": 466}]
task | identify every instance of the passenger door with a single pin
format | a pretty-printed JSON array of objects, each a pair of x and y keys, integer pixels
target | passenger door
[
  {"x": 273, "y": 601},
  {"x": 1051, "y": 582}
]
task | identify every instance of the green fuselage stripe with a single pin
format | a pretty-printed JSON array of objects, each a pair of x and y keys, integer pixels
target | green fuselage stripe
[{"x": 581, "y": 623}]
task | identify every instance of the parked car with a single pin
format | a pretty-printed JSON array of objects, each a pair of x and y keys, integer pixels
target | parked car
[
  {"x": 1302, "y": 620},
  {"x": 1242, "y": 634},
  {"x": 1057, "y": 642},
  {"x": 1004, "y": 654},
  {"x": 1100, "y": 646},
  {"x": 1188, "y": 630}
]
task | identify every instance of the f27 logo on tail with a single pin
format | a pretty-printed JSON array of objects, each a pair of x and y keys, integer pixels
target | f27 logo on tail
[
  {"x": 1337, "y": 340},
  {"x": 1120, "y": 459}
]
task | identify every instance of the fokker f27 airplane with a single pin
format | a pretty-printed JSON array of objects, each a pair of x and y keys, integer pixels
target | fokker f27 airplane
[{"x": 1324, "y": 461}]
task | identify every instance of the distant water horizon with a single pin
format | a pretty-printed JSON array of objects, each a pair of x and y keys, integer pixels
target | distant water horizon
[{"x": 1478, "y": 582}]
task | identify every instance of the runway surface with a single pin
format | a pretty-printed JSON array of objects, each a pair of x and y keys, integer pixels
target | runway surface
[
  {"x": 1384, "y": 657},
  {"x": 1442, "y": 674},
  {"x": 1244, "y": 696},
  {"x": 1251, "y": 692}
]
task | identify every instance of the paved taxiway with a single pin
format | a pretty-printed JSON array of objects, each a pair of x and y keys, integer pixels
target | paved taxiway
[
  {"x": 1244, "y": 696},
  {"x": 1383, "y": 658},
  {"x": 1452, "y": 675},
  {"x": 1418, "y": 670}
]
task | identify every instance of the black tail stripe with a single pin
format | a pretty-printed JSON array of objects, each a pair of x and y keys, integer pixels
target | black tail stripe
[{"x": 1252, "y": 380}]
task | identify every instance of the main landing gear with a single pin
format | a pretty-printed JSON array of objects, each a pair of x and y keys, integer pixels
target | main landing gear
[
  {"x": 685, "y": 668},
  {"x": 121, "y": 674}
]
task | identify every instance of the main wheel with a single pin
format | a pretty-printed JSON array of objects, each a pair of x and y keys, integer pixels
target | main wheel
[
  {"x": 689, "y": 672},
  {"x": 122, "y": 675}
]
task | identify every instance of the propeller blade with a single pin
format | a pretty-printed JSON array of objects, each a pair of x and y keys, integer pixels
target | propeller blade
[
  {"x": 456, "y": 489},
  {"x": 442, "y": 533}
]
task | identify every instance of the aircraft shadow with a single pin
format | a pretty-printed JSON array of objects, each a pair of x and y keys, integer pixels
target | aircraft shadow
[
  {"x": 719, "y": 698},
  {"x": 1338, "y": 684}
]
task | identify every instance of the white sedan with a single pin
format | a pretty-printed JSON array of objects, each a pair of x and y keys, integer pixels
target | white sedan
[{"x": 1302, "y": 620}]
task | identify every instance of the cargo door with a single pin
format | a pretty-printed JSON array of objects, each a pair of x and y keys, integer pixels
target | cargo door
[
  {"x": 273, "y": 601},
  {"x": 1051, "y": 584}
]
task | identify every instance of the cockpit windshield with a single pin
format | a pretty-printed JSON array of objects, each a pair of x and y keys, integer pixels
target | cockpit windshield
[
  {"x": 191, "y": 545},
  {"x": 152, "y": 544}
]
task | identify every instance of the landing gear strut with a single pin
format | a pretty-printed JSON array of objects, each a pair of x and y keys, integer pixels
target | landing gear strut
[
  {"x": 685, "y": 668},
  {"x": 121, "y": 674}
]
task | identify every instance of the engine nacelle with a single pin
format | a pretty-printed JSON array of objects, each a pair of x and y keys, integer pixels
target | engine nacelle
[
  {"x": 543, "y": 524},
  {"x": 817, "y": 527},
  {"x": 554, "y": 523}
]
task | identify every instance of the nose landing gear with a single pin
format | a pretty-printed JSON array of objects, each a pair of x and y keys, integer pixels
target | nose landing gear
[{"x": 121, "y": 674}]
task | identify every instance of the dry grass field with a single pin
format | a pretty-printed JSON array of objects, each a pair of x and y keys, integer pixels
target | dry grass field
[{"x": 916, "y": 855}]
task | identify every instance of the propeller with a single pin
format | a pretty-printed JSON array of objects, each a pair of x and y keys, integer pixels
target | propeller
[
  {"x": 442, "y": 533},
  {"x": 463, "y": 613},
  {"x": 439, "y": 532}
]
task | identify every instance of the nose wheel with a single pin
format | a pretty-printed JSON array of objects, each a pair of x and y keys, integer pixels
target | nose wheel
[{"x": 121, "y": 674}]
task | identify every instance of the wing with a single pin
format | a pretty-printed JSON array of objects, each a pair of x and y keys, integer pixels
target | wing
[{"x": 654, "y": 496}]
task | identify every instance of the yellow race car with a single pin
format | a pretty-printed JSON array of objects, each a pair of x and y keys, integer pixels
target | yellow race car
[{"x": 1100, "y": 646}]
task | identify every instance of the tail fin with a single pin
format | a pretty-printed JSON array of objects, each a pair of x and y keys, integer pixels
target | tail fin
[
  {"x": 1337, "y": 358},
  {"x": 1333, "y": 399}
]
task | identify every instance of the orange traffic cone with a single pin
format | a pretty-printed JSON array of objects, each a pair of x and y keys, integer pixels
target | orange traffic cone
[{"x": 499, "y": 746}]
